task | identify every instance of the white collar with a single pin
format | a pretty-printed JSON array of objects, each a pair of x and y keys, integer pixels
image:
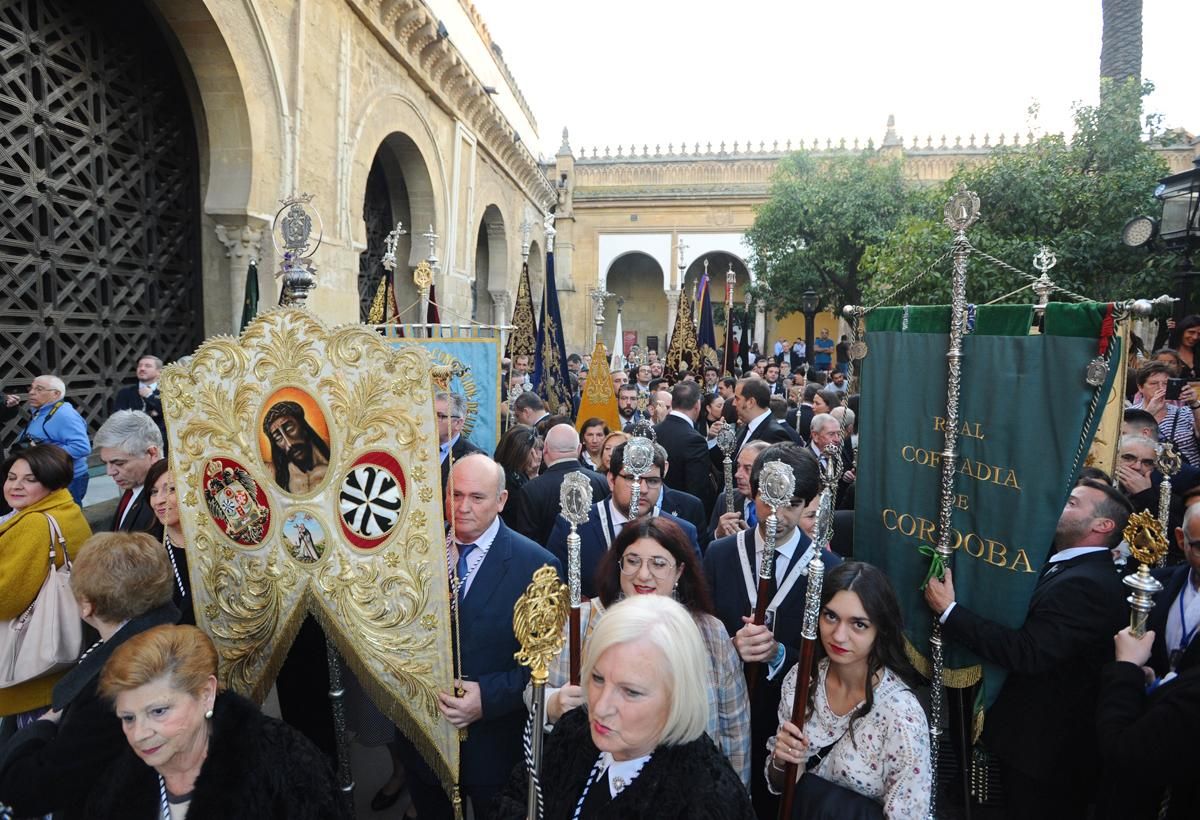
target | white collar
[
  {"x": 752, "y": 425},
  {"x": 152, "y": 386},
  {"x": 787, "y": 549},
  {"x": 681, "y": 415},
  {"x": 1074, "y": 552},
  {"x": 621, "y": 772},
  {"x": 615, "y": 515}
]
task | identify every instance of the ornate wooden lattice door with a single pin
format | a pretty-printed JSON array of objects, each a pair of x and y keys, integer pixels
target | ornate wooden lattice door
[{"x": 99, "y": 199}]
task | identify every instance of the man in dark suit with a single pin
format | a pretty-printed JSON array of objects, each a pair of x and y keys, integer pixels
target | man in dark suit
[
  {"x": 1042, "y": 726},
  {"x": 607, "y": 517},
  {"x": 451, "y": 409},
  {"x": 800, "y": 417},
  {"x": 731, "y": 566},
  {"x": 725, "y": 389},
  {"x": 775, "y": 386},
  {"x": 129, "y": 443},
  {"x": 687, "y": 450},
  {"x": 753, "y": 405},
  {"x": 144, "y": 395},
  {"x": 494, "y": 565},
  {"x": 744, "y": 516},
  {"x": 1176, "y": 612},
  {"x": 827, "y": 430},
  {"x": 538, "y": 501}
]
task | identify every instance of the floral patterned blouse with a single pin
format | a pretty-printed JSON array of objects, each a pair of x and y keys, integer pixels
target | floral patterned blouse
[{"x": 888, "y": 757}]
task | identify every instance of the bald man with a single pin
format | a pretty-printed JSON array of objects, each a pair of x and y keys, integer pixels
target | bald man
[
  {"x": 537, "y": 502},
  {"x": 493, "y": 565}
]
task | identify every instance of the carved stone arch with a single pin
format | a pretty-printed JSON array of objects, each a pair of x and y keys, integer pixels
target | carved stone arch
[
  {"x": 636, "y": 278},
  {"x": 490, "y": 284},
  {"x": 394, "y": 140},
  {"x": 223, "y": 49}
]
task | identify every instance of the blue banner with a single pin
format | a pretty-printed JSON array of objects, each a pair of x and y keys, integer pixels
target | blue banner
[{"x": 480, "y": 385}]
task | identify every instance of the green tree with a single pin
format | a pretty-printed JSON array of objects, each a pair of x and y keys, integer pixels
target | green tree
[
  {"x": 1071, "y": 196},
  {"x": 822, "y": 215}
]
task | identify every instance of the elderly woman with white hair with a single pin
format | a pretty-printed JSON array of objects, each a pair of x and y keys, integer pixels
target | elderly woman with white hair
[{"x": 639, "y": 750}]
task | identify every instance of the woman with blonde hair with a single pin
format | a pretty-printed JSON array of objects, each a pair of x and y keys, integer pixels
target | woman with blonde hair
[
  {"x": 123, "y": 584},
  {"x": 639, "y": 749}
]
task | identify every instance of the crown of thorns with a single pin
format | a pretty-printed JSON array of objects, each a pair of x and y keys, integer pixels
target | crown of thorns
[{"x": 279, "y": 410}]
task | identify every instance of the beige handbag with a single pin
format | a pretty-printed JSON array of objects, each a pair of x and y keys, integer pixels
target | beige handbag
[{"x": 49, "y": 634}]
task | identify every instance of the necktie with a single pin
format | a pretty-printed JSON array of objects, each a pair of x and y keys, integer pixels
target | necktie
[
  {"x": 124, "y": 505},
  {"x": 751, "y": 515},
  {"x": 463, "y": 551}
]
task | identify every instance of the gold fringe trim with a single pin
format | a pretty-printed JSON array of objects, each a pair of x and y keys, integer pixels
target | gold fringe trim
[{"x": 954, "y": 678}]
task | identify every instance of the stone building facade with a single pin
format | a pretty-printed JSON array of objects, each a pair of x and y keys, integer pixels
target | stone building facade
[{"x": 624, "y": 212}]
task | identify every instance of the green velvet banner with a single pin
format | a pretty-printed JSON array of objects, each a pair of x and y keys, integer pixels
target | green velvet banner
[{"x": 1023, "y": 411}]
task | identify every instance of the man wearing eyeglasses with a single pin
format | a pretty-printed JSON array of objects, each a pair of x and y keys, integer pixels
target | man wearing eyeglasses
[
  {"x": 54, "y": 420},
  {"x": 1139, "y": 479},
  {"x": 451, "y": 410},
  {"x": 608, "y": 516}
]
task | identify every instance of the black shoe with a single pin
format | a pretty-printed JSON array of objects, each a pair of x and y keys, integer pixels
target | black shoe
[{"x": 385, "y": 800}]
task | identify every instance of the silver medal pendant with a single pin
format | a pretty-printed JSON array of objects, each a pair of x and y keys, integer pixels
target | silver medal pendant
[
  {"x": 1097, "y": 372},
  {"x": 858, "y": 351}
]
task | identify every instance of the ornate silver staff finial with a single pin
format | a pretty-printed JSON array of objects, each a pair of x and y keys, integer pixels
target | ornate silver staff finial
[
  {"x": 432, "y": 238},
  {"x": 962, "y": 209},
  {"x": 727, "y": 441},
  {"x": 1044, "y": 259},
  {"x": 599, "y": 297},
  {"x": 682, "y": 263},
  {"x": 389, "y": 247},
  {"x": 291, "y": 232},
  {"x": 776, "y": 485},
  {"x": 526, "y": 227},
  {"x": 575, "y": 499},
  {"x": 639, "y": 458}
]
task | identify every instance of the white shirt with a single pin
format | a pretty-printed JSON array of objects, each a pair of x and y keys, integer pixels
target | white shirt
[
  {"x": 751, "y": 426},
  {"x": 1184, "y": 609},
  {"x": 683, "y": 416},
  {"x": 444, "y": 449},
  {"x": 617, "y": 517},
  {"x": 475, "y": 558}
]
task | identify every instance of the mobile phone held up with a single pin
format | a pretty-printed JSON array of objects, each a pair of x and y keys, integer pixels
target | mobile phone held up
[{"x": 1174, "y": 389}]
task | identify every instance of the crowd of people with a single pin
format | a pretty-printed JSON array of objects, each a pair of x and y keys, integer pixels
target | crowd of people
[{"x": 685, "y": 701}]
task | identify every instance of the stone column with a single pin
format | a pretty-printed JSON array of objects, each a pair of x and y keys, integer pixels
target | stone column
[
  {"x": 242, "y": 240},
  {"x": 502, "y": 311}
]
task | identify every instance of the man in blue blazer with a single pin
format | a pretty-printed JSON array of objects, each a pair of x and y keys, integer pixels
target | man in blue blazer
[
  {"x": 494, "y": 566},
  {"x": 731, "y": 565},
  {"x": 607, "y": 517}
]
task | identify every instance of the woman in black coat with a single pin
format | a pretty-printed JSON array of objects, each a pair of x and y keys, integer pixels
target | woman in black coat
[
  {"x": 123, "y": 583},
  {"x": 630, "y": 755},
  {"x": 216, "y": 754}
]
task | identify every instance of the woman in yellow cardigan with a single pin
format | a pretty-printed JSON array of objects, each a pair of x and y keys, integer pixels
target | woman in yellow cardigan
[{"x": 35, "y": 486}]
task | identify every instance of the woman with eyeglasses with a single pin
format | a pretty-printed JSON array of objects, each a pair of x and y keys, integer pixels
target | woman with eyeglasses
[{"x": 653, "y": 556}]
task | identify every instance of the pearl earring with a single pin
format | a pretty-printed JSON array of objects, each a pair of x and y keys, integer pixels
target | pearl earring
[{"x": 208, "y": 715}]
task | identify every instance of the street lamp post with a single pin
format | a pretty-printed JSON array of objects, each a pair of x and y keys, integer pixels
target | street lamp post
[{"x": 810, "y": 303}]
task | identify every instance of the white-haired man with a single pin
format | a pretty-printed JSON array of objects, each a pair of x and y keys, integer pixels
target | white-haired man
[
  {"x": 55, "y": 421},
  {"x": 129, "y": 443}
]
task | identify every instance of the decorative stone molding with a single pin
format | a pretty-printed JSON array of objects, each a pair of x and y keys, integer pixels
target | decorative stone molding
[
  {"x": 409, "y": 30},
  {"x": 241, "y": 242}
]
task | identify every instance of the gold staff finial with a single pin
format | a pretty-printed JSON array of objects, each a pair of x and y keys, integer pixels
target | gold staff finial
[
  {"x": 538, "y": 620},
  {"x": 1144, "y": 534}
]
